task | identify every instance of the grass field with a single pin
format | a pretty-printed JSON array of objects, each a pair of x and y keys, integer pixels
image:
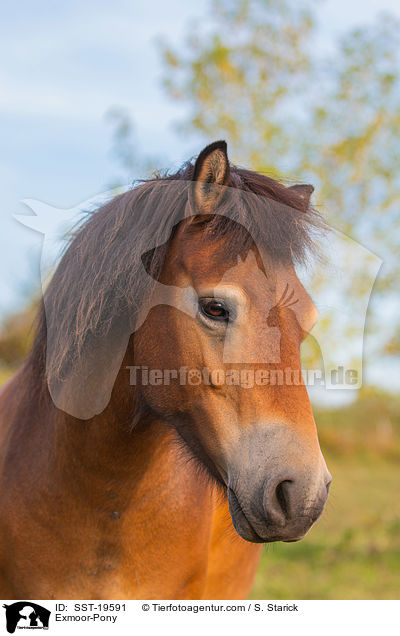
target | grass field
[{"x": 353, "y": 552}]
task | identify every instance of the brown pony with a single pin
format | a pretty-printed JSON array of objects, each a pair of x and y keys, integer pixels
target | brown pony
[{"x": 136, "y": 462}]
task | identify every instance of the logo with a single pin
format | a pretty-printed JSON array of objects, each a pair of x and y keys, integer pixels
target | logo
[
  {"x": 26, "y": 615},
  {"x": 346, "y": 266}
]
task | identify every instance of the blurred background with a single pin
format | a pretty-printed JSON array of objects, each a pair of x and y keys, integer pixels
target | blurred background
[{"x": 95, "y": 95}]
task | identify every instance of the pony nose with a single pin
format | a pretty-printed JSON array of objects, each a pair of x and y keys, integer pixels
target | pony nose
[
  {"x": 284, "y": 497},
  {"x": 276, "y": 501}
]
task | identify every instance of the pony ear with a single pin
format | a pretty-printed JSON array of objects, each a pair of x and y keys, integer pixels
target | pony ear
[
  {"x": 211, "y": 169},
  {"x": 304, "y": 191}
]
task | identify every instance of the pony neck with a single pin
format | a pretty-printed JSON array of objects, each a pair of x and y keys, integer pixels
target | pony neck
[{"x": 113, "y": 447}]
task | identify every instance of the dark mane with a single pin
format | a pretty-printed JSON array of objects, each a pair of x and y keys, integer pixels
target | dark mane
[{"x": 101, "y": 280}]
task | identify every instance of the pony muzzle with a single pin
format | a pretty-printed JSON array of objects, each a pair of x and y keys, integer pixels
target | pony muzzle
[{"x": 280, "y": 493}]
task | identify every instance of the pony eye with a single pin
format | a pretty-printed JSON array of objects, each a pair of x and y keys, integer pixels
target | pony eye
[{"x": 214, "y": 309}]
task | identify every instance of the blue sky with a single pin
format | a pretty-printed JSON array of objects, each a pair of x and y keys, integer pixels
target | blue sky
[{"x": 63, "y": 67}]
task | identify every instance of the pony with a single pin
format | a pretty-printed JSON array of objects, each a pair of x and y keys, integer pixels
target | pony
[{"x": 152, "y": 442}]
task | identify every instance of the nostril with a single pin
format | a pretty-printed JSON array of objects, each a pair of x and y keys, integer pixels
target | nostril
[
  {"x": 328, "y": 485},
  {"x": 328, "y": 481},
  {"x": 282, "y": 497},
  {"x": 277, "y": 501}
]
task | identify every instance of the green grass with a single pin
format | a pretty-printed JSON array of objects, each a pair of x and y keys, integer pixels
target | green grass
[{"x": 353, "y": 552}]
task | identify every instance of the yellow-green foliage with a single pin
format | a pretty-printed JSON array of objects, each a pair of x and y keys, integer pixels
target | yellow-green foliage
[
  {"x": 369, "y": 427},
  {"x": 15, "y": 340},
  {"x": 253, "y": 73}
]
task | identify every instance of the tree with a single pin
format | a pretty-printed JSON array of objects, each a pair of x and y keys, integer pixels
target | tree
[
  {"x": 239, "y": 77},
  {"x": 253, "y": 73}
]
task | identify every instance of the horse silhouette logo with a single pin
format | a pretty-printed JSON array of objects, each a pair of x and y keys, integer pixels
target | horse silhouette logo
[
  {"x": 83, "y": 388},
  {"x": 26, "y": 615}
]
